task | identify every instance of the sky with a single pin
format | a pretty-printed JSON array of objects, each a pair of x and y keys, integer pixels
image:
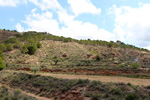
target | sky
[{"x": 109, "y": 20}]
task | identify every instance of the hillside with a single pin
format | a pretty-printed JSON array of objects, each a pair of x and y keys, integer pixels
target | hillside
[
  {"x": 60, "y": 52},
  {"x": 48, "y": 54},
  {"x": 4, "y": 35}
]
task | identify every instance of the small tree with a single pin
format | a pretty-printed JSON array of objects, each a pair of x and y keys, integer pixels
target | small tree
[
  {"x": 97, "y": 57},
  {"x": 24, "y": 49},
  {"x": 109, "y": 45},
  {"x": 39, "y": 45},
  {"x": 1, "y": 55},
  {"x": 2, "y": 65},
  {"x": 9, "y": 47},
  {"x": 32, "y": 49}
]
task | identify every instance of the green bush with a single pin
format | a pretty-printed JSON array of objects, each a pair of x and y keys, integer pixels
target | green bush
[
  {"x": 9, "y": 47},
  {"x": 1, "y": 55},
  {"x": 135, "y": 65},
  {"x": 24, "y": 49},
  {"x": 31, "y": 41},
  {"x": 34, "y": 69},
  {"x": 109, "y": 45},
  {"x": 97, "y": 57},
  {"x": 131, "y": 96},
  {"x": 31, "y": 49},
  {"x": 12, "y": 40},
  {"x": 2, "y": 47},
  {"x": 95, "y": 97},
  {"x": 39, "y": 45},
  {"x": 122, "y": 66},
  {"x": 88, "y": 94},
  {"x": 2, "y": 65},
  {"x": 17, "y": 44}
]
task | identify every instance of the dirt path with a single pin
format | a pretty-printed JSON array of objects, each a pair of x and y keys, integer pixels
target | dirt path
[
  {"x": 115, "y": 79},
  {"x": 29, "y": 94}
]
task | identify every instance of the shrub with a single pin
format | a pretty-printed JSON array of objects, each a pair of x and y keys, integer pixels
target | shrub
[
  {"x": 131, "y": 96},
  {"x": 2, "y": 47},
  {"x": 109, "y": 45},
  {"x": 1, "y": 55},
  {"x": 39, "y": 45},
  {"x": 55, "y": 59},
  {"x": 2, "y": 65},
  {"x": 122, "y": 65},
  {"x": 17, "y": 44},
  {"x": 9, "y": 47},
  {"x": 24, "y": 49},
  {"x": 116, "y": 91},
  {"x": 97, "y": 57},
  {"x": 31, "y": 42},
  {"x": 12, "y": 40},
  {"x": 16, "y": 94},
  {"x": 31, "y": 49},
  {"x": 95, "y": 97},
  {"x": 135, "y": 65},
  {"x": 34, "y": 69},
  {"x": 88, "y": 94}
]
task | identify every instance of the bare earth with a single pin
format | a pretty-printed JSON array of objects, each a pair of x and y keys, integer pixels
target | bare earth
[{"x": 114, "y": 79}]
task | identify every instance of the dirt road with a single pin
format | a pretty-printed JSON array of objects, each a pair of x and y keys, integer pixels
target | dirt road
[{"x": 115, "y": 79}]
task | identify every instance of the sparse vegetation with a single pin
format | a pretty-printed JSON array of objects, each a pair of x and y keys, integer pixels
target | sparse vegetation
[
  {"x": 55, "y": 60},
  {"x": 2, "y": 47},
  {"x": 122, "y": 66},
  {"x": 7, "y": 94},
  {"x": 2, "y": 65},
  {"x": 39, "y": 45},
  {"x": 49, "y": 87},
  {"x": 135, "y": 65},
  {"x": 1, "y": 55},
  {"x": 24, "y": 49},
  {"x": 9, "y": 47}
]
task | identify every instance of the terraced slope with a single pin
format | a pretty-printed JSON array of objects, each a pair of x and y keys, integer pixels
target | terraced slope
[{"x": 73, "y": 54}]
